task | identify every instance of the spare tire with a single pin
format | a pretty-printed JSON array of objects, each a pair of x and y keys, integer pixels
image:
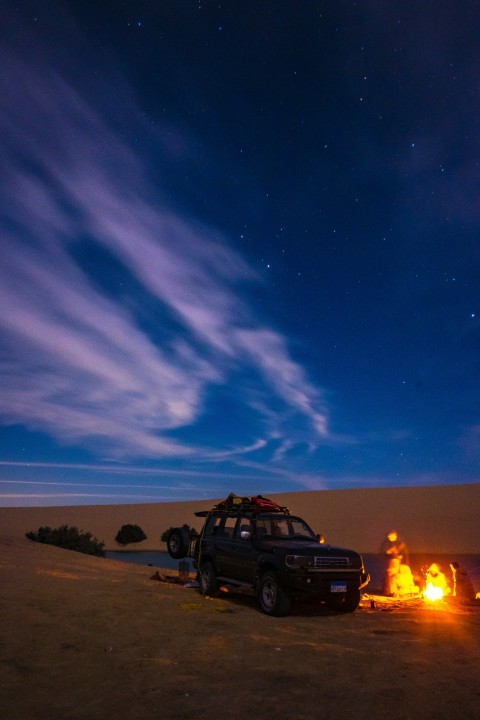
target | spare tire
[{"x": 178, "y": 543}]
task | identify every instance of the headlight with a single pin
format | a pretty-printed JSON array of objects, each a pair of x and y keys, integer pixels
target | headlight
[{"x": 298, "y": 561}]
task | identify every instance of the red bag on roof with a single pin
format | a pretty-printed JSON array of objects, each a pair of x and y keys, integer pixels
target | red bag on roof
[{"x": 261, "y": 503}]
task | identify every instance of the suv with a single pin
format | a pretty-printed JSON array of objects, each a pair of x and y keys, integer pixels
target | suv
[{"x": 255, "y": 544}]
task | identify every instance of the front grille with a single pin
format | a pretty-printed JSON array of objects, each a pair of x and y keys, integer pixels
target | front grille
[{"x": 325, "y": 561}]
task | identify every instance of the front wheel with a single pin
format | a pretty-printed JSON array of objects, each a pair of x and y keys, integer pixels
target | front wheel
[
  {"x": 208, "y": 580},
  {"x": 272, "y": 597},
  {"x": 345, "y": 602}
]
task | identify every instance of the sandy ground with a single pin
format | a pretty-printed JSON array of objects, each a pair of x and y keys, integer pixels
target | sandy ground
[{"x": 86, "y": 637}]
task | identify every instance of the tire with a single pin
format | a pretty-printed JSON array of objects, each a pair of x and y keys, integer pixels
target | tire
[
  {"x": 178, "y": 543},
  {"x": 272, "y": 597},
  {"x": 208, "y": 580},
  {"x": 346, "y": 602}
]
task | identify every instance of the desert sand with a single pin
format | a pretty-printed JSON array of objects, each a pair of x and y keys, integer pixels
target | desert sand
[
  {"x": 434, "y": 519},
  {"x": 88, "y": 638}
]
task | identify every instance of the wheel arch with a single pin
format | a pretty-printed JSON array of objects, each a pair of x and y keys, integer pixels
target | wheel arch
[
  {"x": 264, "y": 565},
  {"x": 205, "y": 557}
]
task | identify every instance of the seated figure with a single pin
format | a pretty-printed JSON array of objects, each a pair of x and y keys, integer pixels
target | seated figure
[
  {"x": 437, "y": 578},
  {"x": 403, "y": 582}
]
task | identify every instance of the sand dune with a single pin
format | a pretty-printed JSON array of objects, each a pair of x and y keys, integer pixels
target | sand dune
[{"x": 435, "y": 519}]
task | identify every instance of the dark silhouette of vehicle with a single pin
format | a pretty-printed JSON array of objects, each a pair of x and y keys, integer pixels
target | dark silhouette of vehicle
[{"x": 254, "y": 544}]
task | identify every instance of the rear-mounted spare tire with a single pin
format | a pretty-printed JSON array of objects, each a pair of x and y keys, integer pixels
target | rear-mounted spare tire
[{"x": 178, "y": 543}]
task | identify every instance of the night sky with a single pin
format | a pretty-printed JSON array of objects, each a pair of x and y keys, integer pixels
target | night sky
[{"x": 240, "y": 247}]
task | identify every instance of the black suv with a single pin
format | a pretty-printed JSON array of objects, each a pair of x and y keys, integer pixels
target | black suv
[{"x": 258, "y": 545}]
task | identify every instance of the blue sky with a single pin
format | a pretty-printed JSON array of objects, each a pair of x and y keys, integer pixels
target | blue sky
[{"x": 240, "y": 249}]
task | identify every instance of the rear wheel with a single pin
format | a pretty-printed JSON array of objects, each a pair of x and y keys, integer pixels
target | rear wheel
[
  {"x": 345, "y": 602},
  {"x": 178, "y": 543},
  {"x": 208, "y": 580},
  {"x": 272, "y": 597}
]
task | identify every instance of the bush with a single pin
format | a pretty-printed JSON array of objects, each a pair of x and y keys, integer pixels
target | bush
[
  {"x": 191, "y": 532},
  {"x": 69, "y": 538},
  {"x": 130, "y": 534}
]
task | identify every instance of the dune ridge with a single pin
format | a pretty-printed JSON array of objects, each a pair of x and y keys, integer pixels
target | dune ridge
[{"x": 432, "y": 519}]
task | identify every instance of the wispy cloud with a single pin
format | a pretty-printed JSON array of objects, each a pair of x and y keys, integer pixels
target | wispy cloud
[{"x": 95, "y": 363}]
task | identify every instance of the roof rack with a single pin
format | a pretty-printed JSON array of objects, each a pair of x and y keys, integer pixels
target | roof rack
[{"x": 255, "y": 504}]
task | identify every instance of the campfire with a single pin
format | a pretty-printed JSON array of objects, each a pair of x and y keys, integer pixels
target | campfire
[{"x": 433, "y": 592}]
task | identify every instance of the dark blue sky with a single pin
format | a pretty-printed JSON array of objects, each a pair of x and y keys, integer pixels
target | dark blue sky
[{"x": 240, "y": 248}]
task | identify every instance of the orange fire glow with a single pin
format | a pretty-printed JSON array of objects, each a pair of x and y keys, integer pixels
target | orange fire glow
[{"x": 432, "y": 592}]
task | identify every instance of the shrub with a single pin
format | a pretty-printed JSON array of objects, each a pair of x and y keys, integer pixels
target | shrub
[
  {"x": 130, "y": 534},
  {"x": 191, "y": 531},
  {"x": 69, "y": 538}
]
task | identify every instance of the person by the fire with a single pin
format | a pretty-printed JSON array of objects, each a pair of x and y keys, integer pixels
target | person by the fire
[
  {"x": 462, "y": 585},
  {"x": 437, "y": 579},
  {"x": 396, "y": 554},
  {"x": 403, "y": 583}
]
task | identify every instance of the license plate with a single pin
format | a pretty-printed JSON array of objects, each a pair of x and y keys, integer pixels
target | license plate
[{"x": 338, "y": 587}]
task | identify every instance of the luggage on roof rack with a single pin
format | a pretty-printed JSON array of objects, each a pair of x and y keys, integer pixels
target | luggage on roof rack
[
  {"x": 265, "y": 505},
  {"x": 256, "y": 504},
  {"x": 232, "y": 502}
]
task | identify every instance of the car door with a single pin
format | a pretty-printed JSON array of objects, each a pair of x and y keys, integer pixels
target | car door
[
  {"x": 222, "y": 534},
  {"x": 239, "y": 552}
]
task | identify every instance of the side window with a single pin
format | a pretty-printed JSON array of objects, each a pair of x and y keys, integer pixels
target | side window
[
  {"x": 262, "y": 530},
  {"x": 229, "y": 526},
  {"x": 278, "y": 528},
  {"x": 244, "y": 524},
  {"x": 272, "y": 527},
  {"x": 213, "y": 526}
]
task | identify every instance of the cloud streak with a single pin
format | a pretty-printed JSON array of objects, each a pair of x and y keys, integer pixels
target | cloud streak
[{"x": 86, "y": 359}]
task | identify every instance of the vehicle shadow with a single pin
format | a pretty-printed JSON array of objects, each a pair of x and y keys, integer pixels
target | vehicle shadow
[{"x": 301, "y": 607}]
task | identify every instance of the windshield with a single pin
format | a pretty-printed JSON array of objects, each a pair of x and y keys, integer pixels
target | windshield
[{"x": 283, "y": 528}]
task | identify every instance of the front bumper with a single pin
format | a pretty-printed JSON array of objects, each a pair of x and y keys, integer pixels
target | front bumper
[{"x": 321, "y": 584}]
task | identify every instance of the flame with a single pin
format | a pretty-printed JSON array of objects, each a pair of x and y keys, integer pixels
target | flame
[{"x": 432, "y": 592}]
